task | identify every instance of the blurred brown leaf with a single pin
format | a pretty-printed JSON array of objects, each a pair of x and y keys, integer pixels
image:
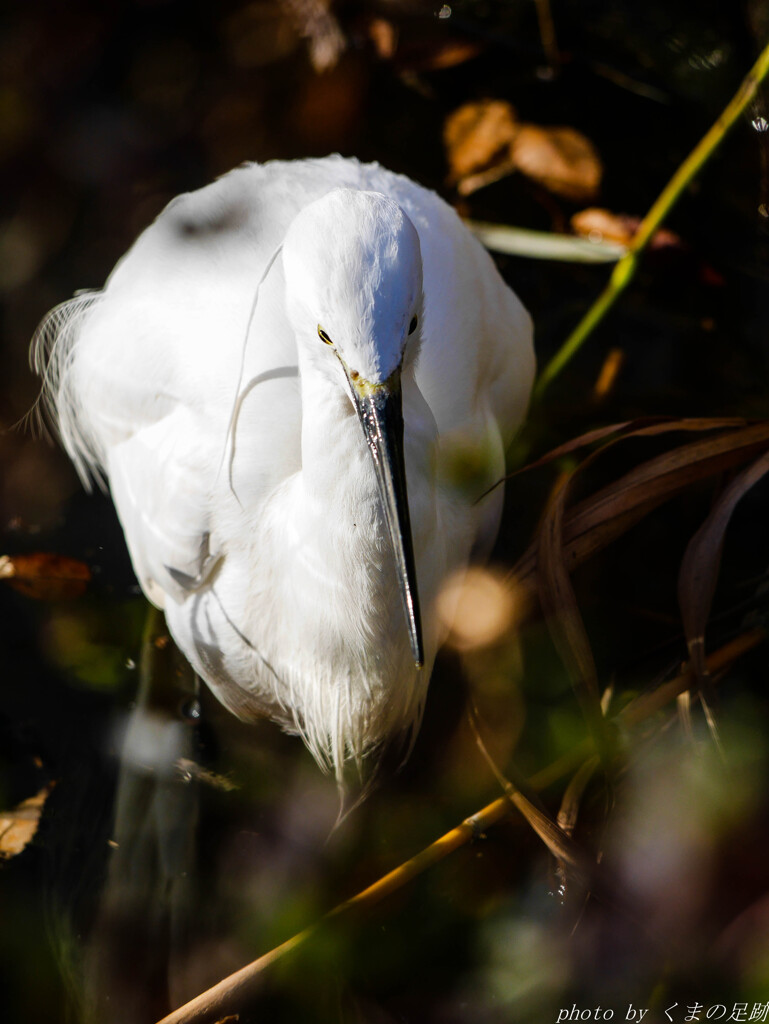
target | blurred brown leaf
[
  {"x": 44, "y": 576},
  {"x": 384, "y": 37},
  {"x": 319, "y": 27},
  {"x": 437, "y": 56},
  {"x": 600, "y": 225},
  {"x": 563, "y": 160},
  {"x": 18, "y": 827},
  {"x": 484, "y": 142},
  {"x": 477, "y": 135}
]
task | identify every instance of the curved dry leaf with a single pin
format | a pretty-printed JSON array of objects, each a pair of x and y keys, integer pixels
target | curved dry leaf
[
  {"x": 45, "y": 576},
  {"x": 593, "y": 523},
  {"x": 600, "y": 225},
  {"x": 436, "y": 56},
  {"x": 702, "y": 560},
  {"x": 477, "y": 137},
  {"x": 563, "y": 160},
  {"x": 384, "y": 37},
  {"x": 18, "y": 827}
]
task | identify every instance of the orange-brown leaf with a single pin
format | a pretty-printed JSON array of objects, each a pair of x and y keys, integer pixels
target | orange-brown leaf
[
  {"x": 599, "y": 519},
  {"x": 477, "y": 137},
  {"x": 45, "y": 576},
  {"x": 563, "y": 160},
  {"x": 18, "y": 827},
  {"x": 600, "y": 225}
]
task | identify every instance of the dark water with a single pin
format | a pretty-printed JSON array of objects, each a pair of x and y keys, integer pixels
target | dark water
[{"x": 143, "y": 887}]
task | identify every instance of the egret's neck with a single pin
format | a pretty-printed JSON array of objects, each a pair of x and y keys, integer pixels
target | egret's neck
[{"x": 337, "y": 471}]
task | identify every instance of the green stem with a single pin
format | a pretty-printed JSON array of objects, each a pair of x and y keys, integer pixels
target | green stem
[{"x": 626, "y": 267}]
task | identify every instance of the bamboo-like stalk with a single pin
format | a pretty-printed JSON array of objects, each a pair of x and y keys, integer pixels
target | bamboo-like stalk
[
  {"x": 229, "y": 995},
  {"x": 626, "y": 267}
]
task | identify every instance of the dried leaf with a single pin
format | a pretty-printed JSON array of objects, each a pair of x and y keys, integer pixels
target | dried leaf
[
  {"x": 45, "y": 576},
  {"x": 702, "y": 560},
  {"x": 319, "y": 27},
  {"x": 561, "y": 159},
  {"x": 448, "y": 53},
  {"x": 18, "y": 827},
  {"x": 384, "y": 36},
  {"x": 612, "y": 365},
  {"x": 601, "y": 225},
  {"x": 477, "y": 137},
  {"x": 596, "y": 521}
]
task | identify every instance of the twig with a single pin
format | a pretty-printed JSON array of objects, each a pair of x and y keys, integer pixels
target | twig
[
  {"x": 547, "y": 33},
  {"x": 230, "y": 994},
  {"x": 627, "y": 266}
]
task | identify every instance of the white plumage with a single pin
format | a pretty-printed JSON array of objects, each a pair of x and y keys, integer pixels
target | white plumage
[{"x": 198, "y": 384}]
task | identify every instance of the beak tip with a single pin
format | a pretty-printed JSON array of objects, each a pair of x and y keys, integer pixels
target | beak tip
[{"x": 417, "y": 651}]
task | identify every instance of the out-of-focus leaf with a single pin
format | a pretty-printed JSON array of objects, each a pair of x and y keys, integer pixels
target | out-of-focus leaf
[
  {"x": 644, "y": 426},
  {"x": 384, "y": 37},
  {"x": 447, "y": 53},
  {"x": 610, "y": 370},
  {"x": 596, "y": 521},
  {"x": 45, "y": 576},
  {"x": 477, "y": 136},
  {"x": 702, "y": 560},
  {"x": 600, "y": 225},
  {"x": 18, "y": 827},
  {"x": 484, "y": 141},
  {"x": 544, "y": 245},
  {"x": 563, "y": 160},
  {"x": 316, "y": 23}
]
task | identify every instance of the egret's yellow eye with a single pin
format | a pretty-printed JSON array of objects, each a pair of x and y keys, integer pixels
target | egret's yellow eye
[
  {"x": 323, "y": 336},
  {"x": 413, "y": 325}
]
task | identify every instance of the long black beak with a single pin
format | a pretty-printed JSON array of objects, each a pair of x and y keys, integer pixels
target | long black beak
[{"x": 380, "y": 411}]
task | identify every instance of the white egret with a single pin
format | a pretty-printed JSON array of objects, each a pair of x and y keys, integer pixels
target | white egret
[{"x": 273, "y": 382}]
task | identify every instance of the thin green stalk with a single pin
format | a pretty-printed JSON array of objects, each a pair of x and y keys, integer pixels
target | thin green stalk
[{"x": 627, "y": 265}]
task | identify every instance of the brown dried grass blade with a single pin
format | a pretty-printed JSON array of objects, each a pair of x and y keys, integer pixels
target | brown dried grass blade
[
  {"x": 698, "y": 577},
  {"x": 559, "y": 604},
  {"x": 611, "y": 511},
  {"x": 572, "y": 797},
  {"x": 702, "y": 561}
]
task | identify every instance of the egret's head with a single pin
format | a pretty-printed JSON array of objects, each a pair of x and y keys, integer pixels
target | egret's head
[
  {"x": 354, "y": 295},
  {"x": 354, "y": 280}
]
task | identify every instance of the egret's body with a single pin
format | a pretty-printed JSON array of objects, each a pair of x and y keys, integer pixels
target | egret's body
[{"x": 198, "y": 384}]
